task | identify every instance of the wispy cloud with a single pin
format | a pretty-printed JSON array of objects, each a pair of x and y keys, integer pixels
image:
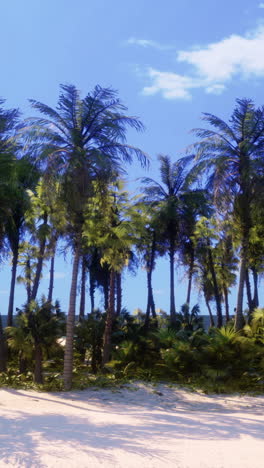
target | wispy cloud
[
  {"x": 211, "y": 67},
  {"x": 148, "y": 43},
  {"x": 171, "y": 85},
  {"x": 261, "y": 5}
]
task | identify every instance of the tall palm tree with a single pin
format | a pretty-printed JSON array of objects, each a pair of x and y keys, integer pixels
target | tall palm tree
[
  {"x": 25, "y": 177},
  {"x": 81, "y": 139},
  {"x": 167, "y": 195},
  {"x": 233, "y": 155}
]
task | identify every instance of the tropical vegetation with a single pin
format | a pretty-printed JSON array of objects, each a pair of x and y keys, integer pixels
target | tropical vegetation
[{"x": 62, "y": 187}]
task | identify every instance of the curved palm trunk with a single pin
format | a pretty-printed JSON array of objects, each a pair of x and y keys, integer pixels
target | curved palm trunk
[
  {"x": 172, "y": 295},
  {"x": 118, "y": 293},
  {"x": 83, "y": 290},
  {"x": 42, "y": 247},
  {"x": 190, "y": 276},
  {"x": 51, "y": 278},
  {"x": 216, "y": 289},
  {"x": 210, "y": 311},
  {"x": 107, "y": 340},
  {"x": 68, "y": 355},
  {"x": 12, "y": 287}
]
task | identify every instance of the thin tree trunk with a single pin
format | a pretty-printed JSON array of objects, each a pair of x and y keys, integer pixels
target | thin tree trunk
[
  {"x": 118, "y": 294},
  {"x": 249, "y": 295},
  {"x": 239, "y": 319},
  {"x": 106, "y": 291},
  {"x": 40, "y": 262},
  {"x": 172, "y": 295},
  {"x": 190, "y": 276},
  {"x": 216, "y": 289},
  {"x": 12, "y": 287},
  {"x": 68, "y": 355},
  {"x": 150, "y": 268},
  {"x": 28, "y": 279},
  {"x": 91, "y": 288},
  {"x": 255, "y": 282},
  {"x": 83, "y": 290},
  {"x": 38, "y": 377},
  {"x": 107, "y": 340},
  {"x": 149, "y": 288},
  {"x": 212, "y": 324},
  {"x": 3, "y": 348},
  {"x": 226, "y": 304},
  {"x": 51, "y": 278}
]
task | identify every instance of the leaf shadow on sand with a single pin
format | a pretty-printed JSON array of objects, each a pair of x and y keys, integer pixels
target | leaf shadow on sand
[{"x": 152, "y": 423}]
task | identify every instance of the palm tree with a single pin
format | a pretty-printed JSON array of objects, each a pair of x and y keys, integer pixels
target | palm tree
[
  {"x": 235, "y": 153},
  {"x": 25, "y": 178},
  {"x": 167, "y": 196},
  {"x": 108, "y": 226},
  {"x": 81, "y": 139}
]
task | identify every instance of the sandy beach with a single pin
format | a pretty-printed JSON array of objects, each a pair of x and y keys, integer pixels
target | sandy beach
[{"x": 140, "y": 425}]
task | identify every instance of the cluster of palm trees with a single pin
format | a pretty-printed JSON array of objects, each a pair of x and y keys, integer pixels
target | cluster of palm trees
[{"x": 61, "y": 179}]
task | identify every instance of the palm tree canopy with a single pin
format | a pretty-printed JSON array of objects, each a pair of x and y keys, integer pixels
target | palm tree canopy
[
  {"x": 234, "y": 151},
  {"x": 84, "y": 131}
]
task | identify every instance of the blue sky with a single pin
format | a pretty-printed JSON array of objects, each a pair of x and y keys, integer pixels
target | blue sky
[{"x": 170, "y": 61}]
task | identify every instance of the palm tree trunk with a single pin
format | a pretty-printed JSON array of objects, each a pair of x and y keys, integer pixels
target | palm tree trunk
[
  {"x": 210, "y": 311},
  {"x": 172, "y": 295},
  {"x": 28, "y": 279},
  {"x": 106, "y": 291},
  {"x": 38, "y": 377},
  {"x": 51, "y": 278},
  {"x": 3, "y": 348},
  {"x": 226, "y": 304},
  {"x": 107, "y": 340},
  {"x": 68, "y": 355},
  {"x": 149, "y": 287},
  {"x": 12, "y": 287},
  {"x": 91, "y": 288},
  {"x": 255, "y": 281},
  {"x": 190, "y": 276},
  {"x": 118, "y": 294},
  {"x": 150, "y": 267},
  {"x": 239, "y": 319},
  {"x": 216, "y": 289},
  {"x": 42, "y": 246},
  {"x": 83, "y": 290},
  {"x": 249, "y": 294}
]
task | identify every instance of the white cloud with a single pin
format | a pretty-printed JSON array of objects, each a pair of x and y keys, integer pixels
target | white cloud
[
  {"x": 147, "y": 43},
  {"x": 215, "y": 89},
  {"x": 261, "y": 5},
  {"x": 171, "y": 85},
  {"x": 211, "y": 67},
  {"x": 220, "y": 61}
]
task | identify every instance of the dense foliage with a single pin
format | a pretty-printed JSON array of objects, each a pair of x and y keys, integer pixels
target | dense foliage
[{"x": 61, "y": 185}]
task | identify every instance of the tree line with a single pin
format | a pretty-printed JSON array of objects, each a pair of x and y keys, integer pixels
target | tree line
[{"x": 62, "y": 183}]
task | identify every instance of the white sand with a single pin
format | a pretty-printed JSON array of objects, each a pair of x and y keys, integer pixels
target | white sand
[{"x": 130, "y": 428}]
